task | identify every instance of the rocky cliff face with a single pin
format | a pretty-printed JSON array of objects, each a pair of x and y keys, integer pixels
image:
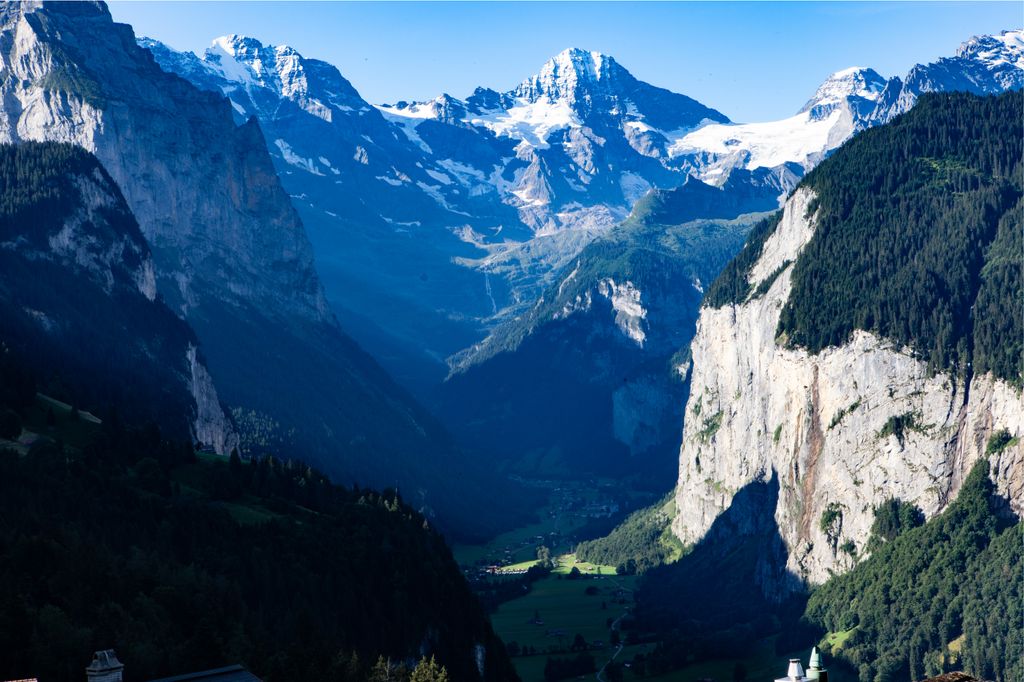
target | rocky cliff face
[
  {"x": 80, "y": 301},
  {"x": 827, "y": 426},
  {"x": 212, "y": 426},
  {"x": 389, "y": 217},
  {"x": 75, "y": 76}
]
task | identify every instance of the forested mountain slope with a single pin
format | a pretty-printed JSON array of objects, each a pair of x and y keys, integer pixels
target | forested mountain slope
[
  {"x": 114, "y": 536},
  {"x": 591, "y": 366},
  {"x": 945, "y": 596},
  {"x": 78, "y": 298},
  {"x": 866, "y": 343}
]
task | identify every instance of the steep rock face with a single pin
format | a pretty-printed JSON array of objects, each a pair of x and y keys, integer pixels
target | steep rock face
[
  {"x": 394, "y": 223},
  {"x": 212, "y": 426},
  {"x": 818, "y": 423},
  {"x": 80, "y": 299},
  {"x": 230, "y": 253},
  {"x": 75, "y": 76}
]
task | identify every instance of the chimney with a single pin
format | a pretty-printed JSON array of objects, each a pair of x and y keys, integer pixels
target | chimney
[
  {"x": 104, "y": 667},
  {"x": 814, "y": 669},
  {"x": 796, "y": 670}
]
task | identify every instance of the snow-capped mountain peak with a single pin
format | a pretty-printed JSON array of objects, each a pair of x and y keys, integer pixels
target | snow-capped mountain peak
[
  {"x": 236, "y": 58},
  {"x": 444, "y": 108},
  {"x": 983, "y": 65},
  {"x": 245, "y": 63},
  {"x": 856, "y": 81},
  {"x": 569, "y": 74},
  {"x": 246, "y": 60},
  {"x": 995, "y": 50}
]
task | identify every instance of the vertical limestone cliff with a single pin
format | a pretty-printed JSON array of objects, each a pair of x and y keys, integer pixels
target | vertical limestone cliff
[
  {"x": 212, "y": 426},
  {"x": 841, "y": 430},
  {"x": 230, "y": 256}
]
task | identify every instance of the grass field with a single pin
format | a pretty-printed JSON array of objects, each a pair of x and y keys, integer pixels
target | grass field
[
  {"x": 567, "y": 562},
  {"x": 72, "y": 430},
  {"x": 837, "y": 639},
  {"x": 565, "y": 610},
  {"x": 518, "y": 545},
  {"x": 563, "y": 566}
]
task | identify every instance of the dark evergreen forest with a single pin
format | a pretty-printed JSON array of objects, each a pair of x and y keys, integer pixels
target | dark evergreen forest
[
  {"x": 918, "y": 238},
  {"x": 948, "y": 595},
  {"x": 180, "y": 563}
]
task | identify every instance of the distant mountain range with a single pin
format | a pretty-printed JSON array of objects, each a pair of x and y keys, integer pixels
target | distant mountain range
[
  {"x": 445, "y": 230},
  {"x": 435, "y": 224},
  {"x": 435, "y": 221}
]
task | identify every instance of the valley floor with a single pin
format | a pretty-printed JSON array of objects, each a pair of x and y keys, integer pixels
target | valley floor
[{"x": 545, "y": 620}]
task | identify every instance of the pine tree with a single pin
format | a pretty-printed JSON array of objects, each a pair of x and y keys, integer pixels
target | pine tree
[{"x": 429, "y": 671}]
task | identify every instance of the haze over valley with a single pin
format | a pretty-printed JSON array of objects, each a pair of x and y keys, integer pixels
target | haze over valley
[{"x": 579, "y": 378}]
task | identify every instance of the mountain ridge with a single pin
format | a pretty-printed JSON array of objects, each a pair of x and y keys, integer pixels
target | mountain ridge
[
  {"x": 491, "y": 195},
  {"x": 849, "y": 95}
]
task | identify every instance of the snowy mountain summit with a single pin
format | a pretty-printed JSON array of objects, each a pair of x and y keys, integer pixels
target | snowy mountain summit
[
  {"x": 1002, "y": 55},
  {"x": 983, "y": 65},
  {"x": 317, "y": 87},
  {"x": 573, "y": 90},
  {"x": 572, "y": 74},
  {"x": 857, "y": 86}
]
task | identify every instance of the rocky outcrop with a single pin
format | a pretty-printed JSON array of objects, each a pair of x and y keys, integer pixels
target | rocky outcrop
[
  {"x": 591, "y": 366},
  {"x": 212, "y": 426},
  {"x": 841, "y": 431}
]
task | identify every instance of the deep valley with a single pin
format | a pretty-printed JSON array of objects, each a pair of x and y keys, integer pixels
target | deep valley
[{"x": 574, "y": 377}]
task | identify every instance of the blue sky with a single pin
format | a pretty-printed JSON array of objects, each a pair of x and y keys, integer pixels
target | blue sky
[{"x": 752, "y": 61}]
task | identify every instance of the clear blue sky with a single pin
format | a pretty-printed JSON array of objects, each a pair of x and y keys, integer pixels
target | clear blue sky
[{"x": 752, "y": 61}]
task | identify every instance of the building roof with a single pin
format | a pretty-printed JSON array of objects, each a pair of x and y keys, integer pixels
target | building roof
[
  {"x": 104, "y": 661},
  {"x": 953, "y": 677},
  {"x": 231, "y": 673}
]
